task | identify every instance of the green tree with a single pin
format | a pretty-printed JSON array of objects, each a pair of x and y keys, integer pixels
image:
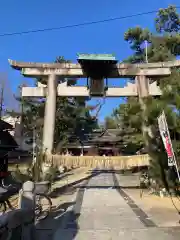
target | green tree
[
  {"x": 163, "y": 45},
  {"x": 110, "y": 123},
  {"x": 128, "y": 116}
]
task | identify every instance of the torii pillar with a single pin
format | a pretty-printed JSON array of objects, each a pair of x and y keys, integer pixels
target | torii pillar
[
  {"x": 50, "y": 113},
  {"x": 142, "y": 84}
]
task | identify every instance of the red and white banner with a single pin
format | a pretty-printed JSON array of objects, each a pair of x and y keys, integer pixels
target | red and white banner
[{"x": 164, "y": 131}]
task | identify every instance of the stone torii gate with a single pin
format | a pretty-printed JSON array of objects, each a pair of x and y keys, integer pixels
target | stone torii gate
[{"x": 96, "y": 68}]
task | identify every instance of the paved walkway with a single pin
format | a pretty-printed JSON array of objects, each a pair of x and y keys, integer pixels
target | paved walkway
[{"x": 104, "y": 211}]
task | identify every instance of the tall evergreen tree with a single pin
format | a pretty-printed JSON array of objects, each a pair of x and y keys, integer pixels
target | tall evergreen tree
[{"x": 162, "y": 46}]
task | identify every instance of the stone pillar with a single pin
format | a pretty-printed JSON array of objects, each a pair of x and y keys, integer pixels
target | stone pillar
[
  {"x": 142, "y": 84},
  {"x": 26, "y": 196},
  {"x": 50, "y": 113}
]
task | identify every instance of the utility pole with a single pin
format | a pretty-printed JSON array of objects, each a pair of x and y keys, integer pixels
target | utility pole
[
  {"x": 34, "y": 145},
  {"x": 146, "y": 49},
  {"x": 20, "y": 118},
  {"x": 22, "y": 113},
  {"x": 2, "y": 98}
]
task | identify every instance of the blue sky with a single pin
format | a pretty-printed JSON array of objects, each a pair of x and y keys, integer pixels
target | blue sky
[{"x": 106, "y": 37}]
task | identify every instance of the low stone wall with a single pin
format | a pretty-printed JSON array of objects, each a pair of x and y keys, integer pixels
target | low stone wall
[
  {"x": 118, "y": 162},
  {"x": 17, "y": 225}
]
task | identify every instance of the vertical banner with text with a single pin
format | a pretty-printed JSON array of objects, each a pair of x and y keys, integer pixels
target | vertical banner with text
[{"x": 164, "y": 132}]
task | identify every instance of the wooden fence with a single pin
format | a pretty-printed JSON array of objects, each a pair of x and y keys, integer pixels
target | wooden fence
[{"x": 118, "y": 162}]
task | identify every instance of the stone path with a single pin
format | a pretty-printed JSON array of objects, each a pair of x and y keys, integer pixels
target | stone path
[{"x": 104, "y": 211}]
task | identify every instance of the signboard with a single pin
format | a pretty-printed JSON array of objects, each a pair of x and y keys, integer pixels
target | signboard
[
  {"x": 96, "y": 87},
  {"x": 164, "y": 132}
]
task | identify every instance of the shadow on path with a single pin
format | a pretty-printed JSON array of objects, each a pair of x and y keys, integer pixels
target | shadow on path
[
  {"x": 60, "y": 224},
  {"x": 62, "y": 221},
  {"x": 71, "y": 187}
]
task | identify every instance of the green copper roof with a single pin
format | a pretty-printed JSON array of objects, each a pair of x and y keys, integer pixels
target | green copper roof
[{"x": 107, "y": 57}]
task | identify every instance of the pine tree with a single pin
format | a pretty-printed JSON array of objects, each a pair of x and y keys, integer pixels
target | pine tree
[{"x": 162, "y": 46}]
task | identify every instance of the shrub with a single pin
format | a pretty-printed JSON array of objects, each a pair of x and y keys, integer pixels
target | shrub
[{"x": 51, "y": 174}]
